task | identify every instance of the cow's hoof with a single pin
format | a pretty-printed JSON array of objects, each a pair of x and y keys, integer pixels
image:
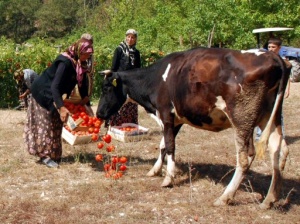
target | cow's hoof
[
  {"x": 167, "y": 182},
  {"x": 264, "y": 206},
  {"x": 220, "y": 202},
  {"x": 153, "y": 173},
  {"x": 150, "y": 173}
]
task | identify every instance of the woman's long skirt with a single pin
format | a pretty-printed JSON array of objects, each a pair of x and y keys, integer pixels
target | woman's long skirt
[{"x": 42, "y": 131}]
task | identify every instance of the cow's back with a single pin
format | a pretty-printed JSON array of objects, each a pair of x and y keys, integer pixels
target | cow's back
[{"x": 203, "y": 84}]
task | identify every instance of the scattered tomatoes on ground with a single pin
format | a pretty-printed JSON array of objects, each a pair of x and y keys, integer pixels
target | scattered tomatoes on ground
[
  {"x": 114, "y": 159},
  {"x": 110, "y": 148},
  {"x": 123, "y": 159},
  {"x": 100, "y": 145},
  {"x": 114, "y": 166},
  {"x": 123, "y": 167}
]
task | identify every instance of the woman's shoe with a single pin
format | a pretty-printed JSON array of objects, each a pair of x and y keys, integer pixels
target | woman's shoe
[{"x": 49, "y": 162}]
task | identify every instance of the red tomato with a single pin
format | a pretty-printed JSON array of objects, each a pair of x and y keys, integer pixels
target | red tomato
[
  {"x": 91, "y": 130},
  {"x": 123, "y": 167},
  {"x": 85, "y": 118},
  {"x": 94, "y": 137},
  {"x": 100, "y": 145},
  {"x": 107, "y": 167},
  {"x": 107, "y": 138},
  {"x": 120, "y": 174},
  {"x": 116, "y": 176},
  {"x": 90, "y": 122},
  {"x": 123, "y": 159},
  {"x": 97, "y": 124},
  {"x": 82, "y": 114},
  {"x": 114, "y": 159},
  {"x": 110, "y": 148},
  {"x": 75, "y": 116},
  {"x": 96, "y": 130},
  {"x": 98, "y": 157},
  {"x": 95, "y": 119}
]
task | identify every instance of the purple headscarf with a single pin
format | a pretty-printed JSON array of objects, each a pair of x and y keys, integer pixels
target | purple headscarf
[{"x": 82, "y": 46}]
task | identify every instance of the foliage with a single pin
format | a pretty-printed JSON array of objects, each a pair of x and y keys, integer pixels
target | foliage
[
  {"x": 44, "y": 28},
  {"x": 54, "y": 20},
  {"x": 17, "y": 18}
]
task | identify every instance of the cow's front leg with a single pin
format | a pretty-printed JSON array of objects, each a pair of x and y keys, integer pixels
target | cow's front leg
[
  {"x": 170, "y": 133},
  {"x": 157, "y": 168}
]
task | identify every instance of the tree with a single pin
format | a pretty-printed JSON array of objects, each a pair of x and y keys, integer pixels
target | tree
[
  {"x": 57, "y": 18},
  {"x": 17, "y": 18}
]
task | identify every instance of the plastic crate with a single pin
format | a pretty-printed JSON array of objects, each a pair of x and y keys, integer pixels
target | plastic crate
[{"x": 139, "y": 134}]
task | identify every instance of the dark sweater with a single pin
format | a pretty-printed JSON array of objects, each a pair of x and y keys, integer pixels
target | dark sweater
[
  {"x": 58, "y": 79},
  {"x": 122, "y": 62}
]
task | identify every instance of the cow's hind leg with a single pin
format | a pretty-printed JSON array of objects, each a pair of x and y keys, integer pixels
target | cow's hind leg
[
  {"x": 284, "y": 152},
  {"x": 229, "y": 193},
  {"x": 275, "y": 142},
  {"x": 245, "y": 156}
]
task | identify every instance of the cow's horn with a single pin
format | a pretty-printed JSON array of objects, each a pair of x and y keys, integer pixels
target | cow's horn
[{"x": 105, "y": 72}]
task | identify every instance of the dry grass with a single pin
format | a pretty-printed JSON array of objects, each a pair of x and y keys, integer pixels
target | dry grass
[{"x": 78, "y": 192}]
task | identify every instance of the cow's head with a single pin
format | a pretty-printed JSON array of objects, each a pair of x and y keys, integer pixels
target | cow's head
[{"x": 112, "y": 97}]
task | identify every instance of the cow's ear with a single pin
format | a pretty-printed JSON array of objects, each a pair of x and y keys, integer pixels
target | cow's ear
[{"x": 114, "y": 82}]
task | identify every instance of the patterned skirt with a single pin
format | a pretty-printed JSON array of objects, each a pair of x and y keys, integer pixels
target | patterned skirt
[
  {"x": 127, "y": 114},
  {"x": 42, "y": 131}
]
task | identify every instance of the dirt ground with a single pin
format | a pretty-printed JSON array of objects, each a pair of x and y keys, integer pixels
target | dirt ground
[{"x": 79, "y": 192}]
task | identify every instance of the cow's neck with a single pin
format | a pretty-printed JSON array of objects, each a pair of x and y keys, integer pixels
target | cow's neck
[{"x": 134, "y": 86}]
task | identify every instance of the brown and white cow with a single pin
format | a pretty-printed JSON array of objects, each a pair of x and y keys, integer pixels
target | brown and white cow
[{"x": 210, "y": 89}]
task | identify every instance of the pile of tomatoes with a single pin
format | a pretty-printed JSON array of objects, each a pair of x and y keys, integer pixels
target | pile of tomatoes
[{"x": 89, "y": 125}]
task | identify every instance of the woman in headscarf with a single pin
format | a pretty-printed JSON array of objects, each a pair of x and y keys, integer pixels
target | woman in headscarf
[
  {"x": 126, "y": 57},
  {"x": 47, "y": 112},
  {"x": 24, "y": 79}
]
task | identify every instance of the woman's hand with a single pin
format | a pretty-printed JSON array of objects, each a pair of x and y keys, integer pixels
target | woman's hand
[
  {"x": 64, "y": 114},
  {"x": 22, "y": 96}
]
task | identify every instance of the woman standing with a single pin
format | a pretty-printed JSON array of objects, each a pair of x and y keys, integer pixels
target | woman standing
[
  {"x": 126, "y": 57},
  {"x": 47, "y": 111}
]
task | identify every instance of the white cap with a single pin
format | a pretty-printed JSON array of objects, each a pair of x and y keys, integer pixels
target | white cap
[{"x": 131, "y": 31}]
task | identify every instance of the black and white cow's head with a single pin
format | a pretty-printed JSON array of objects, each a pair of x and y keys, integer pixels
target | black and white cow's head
[{"x": 112, "y": 97}]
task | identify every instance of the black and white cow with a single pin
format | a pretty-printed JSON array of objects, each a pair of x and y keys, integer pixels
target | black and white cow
[{"x": 210, "y": 89}]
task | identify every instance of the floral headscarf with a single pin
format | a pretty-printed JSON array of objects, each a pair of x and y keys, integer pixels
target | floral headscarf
[{"x": 81, "y": 46}]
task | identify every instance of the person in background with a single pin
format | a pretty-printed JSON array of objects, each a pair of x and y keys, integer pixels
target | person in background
[
  {"x": 126, "y": 57},
  {"x": 47, "y": 111},
  {"x": 24, "y": 79},
  {"x": 274, "y": 45}
]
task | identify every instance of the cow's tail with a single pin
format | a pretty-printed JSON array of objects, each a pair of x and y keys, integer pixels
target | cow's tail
[{"x": 262, "y": 145}]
